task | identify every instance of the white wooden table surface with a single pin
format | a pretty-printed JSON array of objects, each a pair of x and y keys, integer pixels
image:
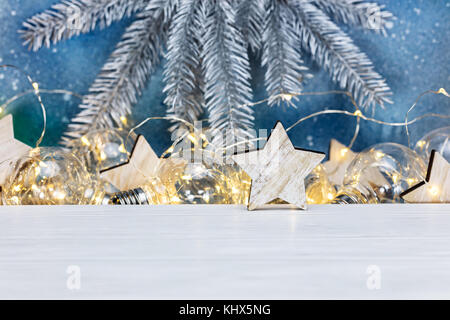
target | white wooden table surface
[{"x": 225, "y": 252}]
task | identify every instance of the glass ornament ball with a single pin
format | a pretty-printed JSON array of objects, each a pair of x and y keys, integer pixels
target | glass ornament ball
[
  {"x": 237, "y": 183},
  {"x": 438, "y": 140},
  {"x": 103, "y": 149},
  {"x": 319, "y": 189},
  {"x": 202, "y": 183},
  {"x": 380, "y": 174},
  {"x": 51, "y": 176}
]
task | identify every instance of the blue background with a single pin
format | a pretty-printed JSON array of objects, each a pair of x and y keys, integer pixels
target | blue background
[{"x": 414, "y": 57}]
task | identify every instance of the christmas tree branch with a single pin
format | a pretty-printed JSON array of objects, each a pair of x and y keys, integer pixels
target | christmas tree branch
[
  {"x": 250, "y": 20},
  {"x": 336, "y": 52},
  {"x": 123, "y": 76},
  {"x": 184, "y": 97},
  {"x": 227, "y": 73},
  {"x": 368, "y": 15},
  {"x": 69, "y": 18},
  {"x": 281, "y": 57}
]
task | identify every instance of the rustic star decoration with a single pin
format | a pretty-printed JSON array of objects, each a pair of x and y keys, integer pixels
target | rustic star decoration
[
  {"x": 278, "y": 170},
  {"x": 10, "y": 148},
  {"x": 436, "y": 187},
  {"x": 143, "y": 164},
  {"x": 340, "y": 157}
]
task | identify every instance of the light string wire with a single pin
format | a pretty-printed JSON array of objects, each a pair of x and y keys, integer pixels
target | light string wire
[
  {"x": 357, "y": 113},
  {"x": 35, "y": 86},
  {"x": 284, "y": 96},
  {"x": 47, "y": 91},
  {"x": 440, "y": 91}
]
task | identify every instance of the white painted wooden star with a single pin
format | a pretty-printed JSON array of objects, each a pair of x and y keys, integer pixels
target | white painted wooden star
[
  {"x": 340, "y": 157},
  {"x": 278, "y": 170},
  {"x": 10, "y": 148},
  {"x": 436, "y": 187},
  {"x": 143, "y": 164}
]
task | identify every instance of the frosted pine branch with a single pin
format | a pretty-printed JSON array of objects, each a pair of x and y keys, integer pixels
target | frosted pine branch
[
  {"x": 69, "y": 18},
  {"x": 123, "y": 76},
  {"x": 336, "y": 52},
  {"x": 250, "y": 20},
  {"x": 281, "y": 57},
  {"x": 227, "y": 73},
  {"x": 368, "y": 15},
  {"x": 184, "y": 97},
  {"x": 207, "y": 60}
]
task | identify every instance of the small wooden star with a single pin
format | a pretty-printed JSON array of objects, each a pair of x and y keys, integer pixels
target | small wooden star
[
  {"x": 278, "y": 170},
  {"x": 142, "y": 164},
  {"x": 436, "y": 187},
  {"x": 9, "y": 146},
  {"x": 340, "y": 158}
]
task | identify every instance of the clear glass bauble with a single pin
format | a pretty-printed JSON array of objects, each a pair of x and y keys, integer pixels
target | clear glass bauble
[
  {"x": 438, "y": 140},
  {"x": 202, "y": 183},
  {"x": 104, "y": 148},
  {"x": 319, "y": 189},
  {"x": 51, "y": 176},
  {"x": 380, "y": 174}
]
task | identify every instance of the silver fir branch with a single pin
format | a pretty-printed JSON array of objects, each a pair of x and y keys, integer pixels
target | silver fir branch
[
  {"x": 122, "y": 78},
  {"x": 207, "y": 66}
]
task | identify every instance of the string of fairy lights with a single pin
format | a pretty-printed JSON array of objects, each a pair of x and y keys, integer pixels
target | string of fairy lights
[{"x": 229, "y": 182}]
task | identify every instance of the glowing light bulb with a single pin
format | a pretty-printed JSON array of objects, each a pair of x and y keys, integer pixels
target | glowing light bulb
[
  {"x": 380, "y": 174},
  {"x": 343, "y": 152},
  {"x": 170, "y": 150},
  {"x": 434, "y": 190},
  {"x": 59, "y": 195},
  {"x": 421, "y": 143},
  {"x": 395, "y": 177},
  {"x": 85, "y": 141},
  {"x": 49, "y": 176},
  {"x": 36, "y": 87},
  {"x": 379, "y": 155},
  {"x": 442, "y": 91},
  {"x": 286, "y": 97},
  {"x": 122, "y": 148},
  {"x": 192, "y": 138}
]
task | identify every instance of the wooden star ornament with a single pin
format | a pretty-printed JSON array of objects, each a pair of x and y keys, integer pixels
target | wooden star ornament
[
  {"x": 340, "y": 157},
  {"x": 278, "y": 170},
  {"x": 10, "y": 148},
  {"x": 436, "y": 187},
  {"x": 142, "y": 164}
]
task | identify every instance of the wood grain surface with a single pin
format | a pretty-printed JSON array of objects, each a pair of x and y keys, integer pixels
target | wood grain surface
[{"x": 226, "y": 252}]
